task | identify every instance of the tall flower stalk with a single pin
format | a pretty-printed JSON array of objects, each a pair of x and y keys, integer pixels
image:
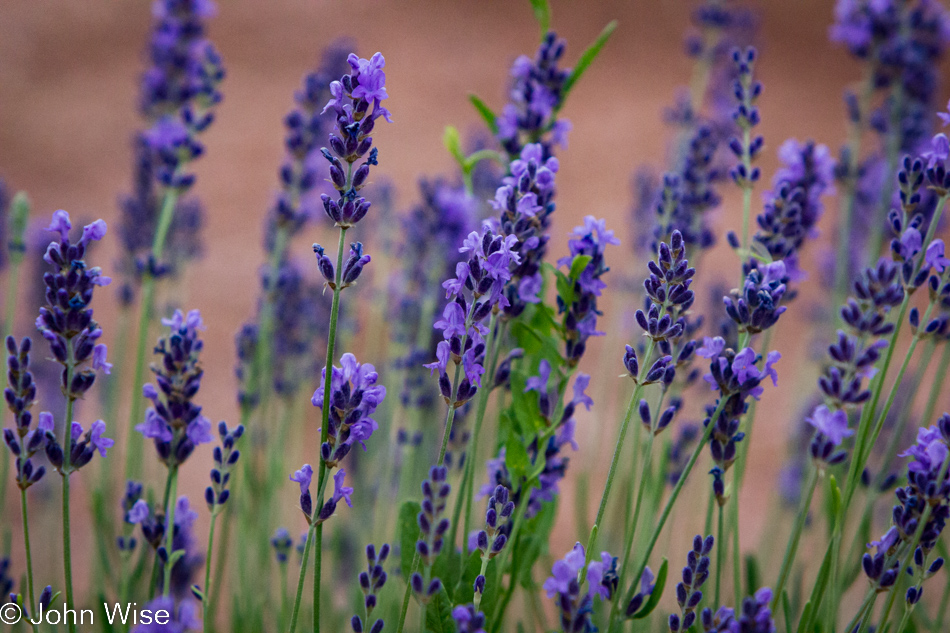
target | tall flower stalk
[{"x": 67, "y": 325}]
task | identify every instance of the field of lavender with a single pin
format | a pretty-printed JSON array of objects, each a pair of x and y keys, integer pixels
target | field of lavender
[{"x": 455, "y": 414}]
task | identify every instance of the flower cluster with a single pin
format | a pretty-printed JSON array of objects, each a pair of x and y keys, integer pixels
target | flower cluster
[
  {"x": 180, "y": 90},
  {"x": 303, "y": 477},
  {"x": 668, "y": 299},
  {"x": 474, "y": 293},
  {"x": 371, "y": 581},
  {"x": 536, "y": 97},
  {"x": 174, "y": 422},
  {"x": 695, "y": 574},
  {"x": 902, "y": 43},
  {"x": 468, "y": 619},
  {"x": 83, "y": 445},
  {"x": 354, "y": 396},
  {"x": 525, "y": 202},
  {"x": 306, "y": 125},
  {"x": 757, "y": 306},
  {"x": 746, "y": 116},
  {"x": 580, "y": 313},
  {"x": 688, "y": 193},
  {"x": 22, "y": 441},
  {"x": 432, "y": 529},
  {"x": 794, "y": 205},
  {"x": 282, "y": 543},
  {"x": 574, "y": 605},
  {"x": 225, "y": 457},
  {"x": 431, "y": 234},
  {"x": 920, "y": 515},
  {"x": 755, "y": 615},
  {"x": 66, "y": 320},
  {"x": 547, "y": 447},
  {"x": 737, "y": 377},
  {"x": 355, "y": 100}
]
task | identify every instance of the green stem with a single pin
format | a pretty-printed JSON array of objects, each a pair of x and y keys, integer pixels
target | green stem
[
  {"x": 937, "y": 386},
  {"x": 66, "y": 470},
  {"x": 720, "y": 554},
  {"x": 466, "y": 488},
  {"x": 618, "y": 449},
  {"x": 736, "y": 556},
  {"x": 300, "y": 581},
  {"x": 864, "y": 612},
  {"x": 673, "y": 497},
  {"x": 207, "y": 586},
  {"x": 135, "y": 444},
  {"x": 170, "y": 529},
  {"x": 325, "y": 426},
  {"x": 794, "y": 540},
  {"x": 29, "y": 556},
  {"x": 630, "y": 536},
  {"x": 850, "y": 188}
]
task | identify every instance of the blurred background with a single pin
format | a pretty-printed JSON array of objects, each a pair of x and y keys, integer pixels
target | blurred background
[{"x": 68, "y": 112}]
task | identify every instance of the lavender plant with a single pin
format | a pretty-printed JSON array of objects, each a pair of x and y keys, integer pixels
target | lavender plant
[{"x": 470, "y": 290}]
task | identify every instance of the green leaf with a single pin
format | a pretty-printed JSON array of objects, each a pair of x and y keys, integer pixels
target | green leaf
[
  {"x": 565, "y": 287},
  {"x": 489, "y": 117},
  {"x": 578, "y": 264},
  {"x": 835, "y": 496},
  {"x": 657, "y": 593},
  {"x": 439, "y": 613},
  {"x": 516, "y": 458},
  {"x": 806, "y": 616},
  {"x": 752, "y": 575},
  {"x": 448, "y": 568},
  {"x": 453, "y": 143},
  {"x": 408, "y": 535},
  {"x": 542, "y": 13},
  {"x": 587, "y": 59},
  {"x": 787, "y": 609}
]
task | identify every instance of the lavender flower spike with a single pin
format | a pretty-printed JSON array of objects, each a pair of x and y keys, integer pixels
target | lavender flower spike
[
  {"x": 175, "y": 423},
  {"x": 574, "y": 605}
]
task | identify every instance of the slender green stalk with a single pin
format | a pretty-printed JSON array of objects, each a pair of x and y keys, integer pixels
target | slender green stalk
[
  {"x": 631, "y": 532},
  {"x": 135, "y": 445},
  {"x": 937, "y": 387},
  {"x": 300, "y": 580},
  {"x": 325, "y": 427},
  {"x": 207, "y": 586},
  {"x": 720, "y": 553},
  {"x": 942, "y": 609},
  {"x": 66, "y": 470},
  {"x": 672, "y": 500},
  {"x": 170, "y": 530},
  {"x": 618, "y": 449},
  {"x": 864, "y": 612},
  {"x": 850, "y": 186},
  {"x": 795, "y": 539},
  {"x": 29, "y": 555},
  {"x": 13, "y": 281},
  {"x": 467, "y": 485}
]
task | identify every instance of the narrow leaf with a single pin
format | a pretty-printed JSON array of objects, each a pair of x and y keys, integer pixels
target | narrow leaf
[
  {"x": 408, "y": 535},
  {"x": 586, "y": 59},
  {"x": 439, "y": 614},
  {"x": 453, "y": 143},
  {"x": 490, "y": 118},
  {"x": 578, "y": 264},
  {"x": 542, "y": 13},
  {"x": 658, "y": 588}
]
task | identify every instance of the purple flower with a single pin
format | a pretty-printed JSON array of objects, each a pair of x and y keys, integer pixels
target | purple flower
[
  {"x": 339, "y": 490},
  {"x": 580, "y": 386},
  {"x": 139, "y": 512},
  {"x": 934, "y": 257},
  {"x": 711, "y": 347},
  {"x": 303, "y": 476},
  {"x": 370, "y": 76},
  {"x": 97, "y": 441},
  {"x": 580, "y": 314},
  {"x": 174, "y": 422},
  {"x": 354, "y": 397},
  {"x": 564, "y": 572},
  {"x": 539, "y": 383},
  {"x": 832, "y": 424},
  {"x": 99, "y": 359}
]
